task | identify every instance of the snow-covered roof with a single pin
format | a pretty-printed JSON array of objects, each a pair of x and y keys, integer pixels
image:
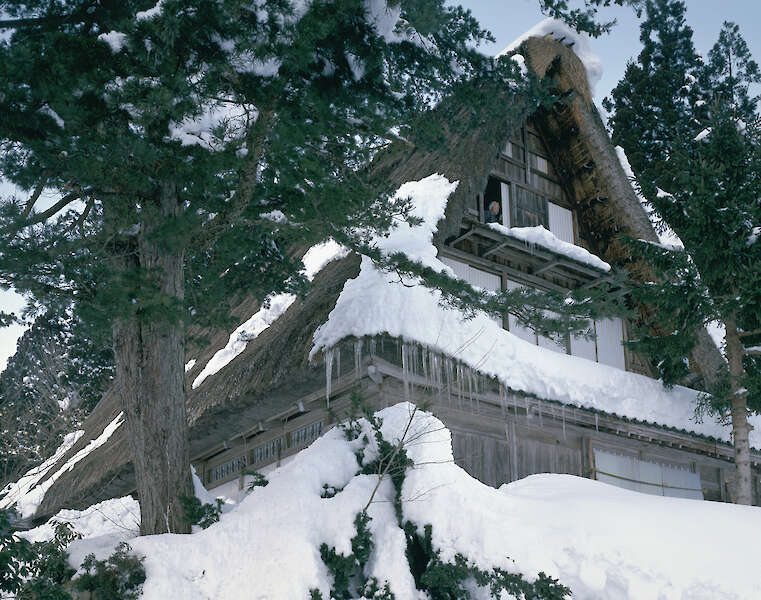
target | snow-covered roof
[
  {"x": 376, "y": 303},
  {"x": 28, "y": 493},
  {"x": 560, "y": 30},
  {"x": 273, "y": 307}
]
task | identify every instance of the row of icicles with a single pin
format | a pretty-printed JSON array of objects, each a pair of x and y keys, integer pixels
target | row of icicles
[{"x": 455, "y": 382}]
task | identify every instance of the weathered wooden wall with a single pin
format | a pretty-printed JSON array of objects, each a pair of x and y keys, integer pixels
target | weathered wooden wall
[{"x": 498, "y": 437}]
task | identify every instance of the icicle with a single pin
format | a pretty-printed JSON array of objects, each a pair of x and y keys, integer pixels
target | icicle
[
  {"x": 328, "y": 374},
  {"x": 372, "y": 347},
  {"x": 357, "y": 358},
  {"x": 412, "y": 368},
  {"x": 425, "y": 366},
  {"x": 436, "y": 372},
  {"x": 528, "y": 408},
  {"x": 338, "y": 362},
  {"x": 405, "y": 371},
  {"x": 597, "y": 423},
  {"x": 562, "y": 412},
  {"x": 539, "y": 404},
  {"x": 470, "y": 387},
  {"x": 503, "y": 401},
  {"x": 449, "y": 371},
  {"x": 459, "y": 376}
]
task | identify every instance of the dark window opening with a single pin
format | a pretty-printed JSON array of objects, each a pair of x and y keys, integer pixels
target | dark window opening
[{"x": 526, "y": 209}]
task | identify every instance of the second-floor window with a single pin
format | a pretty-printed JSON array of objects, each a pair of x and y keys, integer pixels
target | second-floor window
[
  {"x": 515, "y": 205},
  {"x": 529, "y": 210}
]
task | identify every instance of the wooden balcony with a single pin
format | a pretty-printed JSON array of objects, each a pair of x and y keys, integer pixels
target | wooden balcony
[{"x": 530, "y": 264}]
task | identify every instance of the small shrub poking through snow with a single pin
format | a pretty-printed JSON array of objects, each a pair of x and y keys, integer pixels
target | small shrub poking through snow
[
  {"x": 203, "y": 515},
  {"x": 120, "y": 577},
  {"x": 444, "y": 581},
  {"x": 348, "y": 572},
  {"x": 329, "y": 491},
  {"x": 41, "y": 570},
  {"x": 258, "y": 480},
  {"x": 34, "y": 571}
]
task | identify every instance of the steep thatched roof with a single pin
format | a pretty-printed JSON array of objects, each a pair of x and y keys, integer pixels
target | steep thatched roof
[{"x": 274, "y": 369}]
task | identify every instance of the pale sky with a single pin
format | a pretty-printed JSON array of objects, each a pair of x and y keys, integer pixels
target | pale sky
[{"x": 508, "y": 19}]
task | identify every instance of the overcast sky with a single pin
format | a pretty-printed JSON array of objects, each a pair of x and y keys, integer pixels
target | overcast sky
[{"x": 507, "y": 19}]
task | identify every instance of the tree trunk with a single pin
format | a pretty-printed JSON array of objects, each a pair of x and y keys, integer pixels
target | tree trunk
[
  {"x": 740, "y": 426},
  {"x": 149, "y": 354}
]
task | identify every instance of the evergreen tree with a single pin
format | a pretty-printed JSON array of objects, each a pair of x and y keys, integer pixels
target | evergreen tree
[
  {"x": 194, "y": 145},
  {"x": 695, "y": 148},
  {"x": 56, "y": 377},
  {"x": 729, "y": 72}
]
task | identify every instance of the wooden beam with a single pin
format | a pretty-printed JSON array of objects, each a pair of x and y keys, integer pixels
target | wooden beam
[
  {"x": 514, "y": 274},
  {"x": 596, "y": 282},
  {"x": 462, "y": 237},
  {"x": 547, "y": 267},
  {"x": 496, "y": 248}
]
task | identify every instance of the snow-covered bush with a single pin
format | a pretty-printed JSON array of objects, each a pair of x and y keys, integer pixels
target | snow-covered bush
[
  {"x": 120, "y": 577},
  {"x": 41, "y": 570}
]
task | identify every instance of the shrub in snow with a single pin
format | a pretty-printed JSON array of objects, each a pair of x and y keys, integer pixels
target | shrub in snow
[
  {"x": 258, "y": 480},
  {"x": 455, "y": 580},
  {"x": 34, "y": 571},
  {"x": 202, "y": 514},
  {"x": 41, "y": 570},
  {"x": 458, "y": 579},
  {"x": 120, "y": 577},
  {"x": 350, "y": 579}
]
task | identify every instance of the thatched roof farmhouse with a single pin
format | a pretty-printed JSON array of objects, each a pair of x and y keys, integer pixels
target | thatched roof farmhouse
[{"x": 516, "y": 402}]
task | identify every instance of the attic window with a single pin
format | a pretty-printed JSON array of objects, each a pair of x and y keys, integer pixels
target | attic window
[
  {"x": 513, "y": 205},
  {"x": 530, "y": 209}
]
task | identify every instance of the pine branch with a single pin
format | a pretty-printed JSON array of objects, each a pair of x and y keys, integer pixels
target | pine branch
[
  {"x": 12, "y": 230},
  {"x": 48, "y": 19},
  {"x": 33, "y": 198}
]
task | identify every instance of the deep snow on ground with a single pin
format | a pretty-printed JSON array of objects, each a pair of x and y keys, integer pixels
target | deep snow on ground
[{"x": 601, "y": 541}]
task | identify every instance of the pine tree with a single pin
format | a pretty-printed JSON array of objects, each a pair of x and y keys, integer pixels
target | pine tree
[
  {"x": 696, "y": 148},
  {"x": 195, "y": 146}
]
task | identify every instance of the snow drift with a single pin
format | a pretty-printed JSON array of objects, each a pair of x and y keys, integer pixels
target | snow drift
[{"x": 601, "y": 541}]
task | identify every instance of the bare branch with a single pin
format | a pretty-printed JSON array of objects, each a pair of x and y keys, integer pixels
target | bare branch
[{"x": 390, "y": 462}]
